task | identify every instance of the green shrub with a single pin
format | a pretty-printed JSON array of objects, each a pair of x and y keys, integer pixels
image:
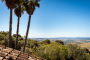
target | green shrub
[
  {"x": 76, "y": 52},
  {"x": 45, "y": 56},
  {"x": 52, "y": 51},
  {"x": 47, "y": 41},
  {"x": 60, "y": 42},
  {"x": 27, "y": 50},
  {"x": 3, "y": 42},
  {"x": 63, "y": 52}
]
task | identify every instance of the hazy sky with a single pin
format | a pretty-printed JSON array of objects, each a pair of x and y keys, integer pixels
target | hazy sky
[{"x": 54, "y": 18}]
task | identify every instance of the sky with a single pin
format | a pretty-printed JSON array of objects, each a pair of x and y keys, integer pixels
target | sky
[{"x": 54, "y": 18}]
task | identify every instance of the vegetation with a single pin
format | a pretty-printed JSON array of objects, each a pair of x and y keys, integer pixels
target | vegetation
[
  {"x": 10, "y": 4},
  {"x": 29, "y": 8},
  {"x": 46, "y": 41},
  {"x": 19, "y": 6},
  {"x": 46, "y": 49},
  {"x": 18, "y": 10},
  {"x": 60, "y": 42}
]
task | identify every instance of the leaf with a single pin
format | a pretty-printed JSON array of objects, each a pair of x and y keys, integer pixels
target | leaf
[{"x": 36, "y": 4}]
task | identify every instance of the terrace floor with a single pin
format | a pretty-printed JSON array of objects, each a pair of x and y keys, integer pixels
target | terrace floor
[{"x": 7, "y": 53}]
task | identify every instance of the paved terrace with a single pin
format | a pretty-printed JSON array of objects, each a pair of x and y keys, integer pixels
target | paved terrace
[{"x": 7, "y": 53}]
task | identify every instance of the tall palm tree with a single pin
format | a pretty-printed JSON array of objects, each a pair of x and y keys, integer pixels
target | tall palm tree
[
  {"x": 10, "y": 4},
  {"x": 18, "y": 12},
  {"x": 30, "y": 7}
]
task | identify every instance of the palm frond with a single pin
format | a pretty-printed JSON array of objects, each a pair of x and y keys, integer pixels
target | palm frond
[
  {"x": 36, "y": 4},
  {"x": 15, "y": 11},
  {"x": 37, "y": 0},
  {"x": 2, "y": 0}
]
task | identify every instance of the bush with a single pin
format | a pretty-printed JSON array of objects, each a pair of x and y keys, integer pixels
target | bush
[
  {"x": 6, "y": 41},
  {"x": 3, "y": 42},
  {"x": 45, "y": 56},
  {"x": 1, "y": 37},
  {"x": 60, "y": 42},
  {"x": 75, "y": 52},
  {"x": 14, "y": 35},
  {"x": 52, "y": 51},
  {"x": 47, "y": 41},
  {"x": 27, "y": 50},
  {"x": 86, "y": 50},
  {"x": 32, "y": 44},
  {"x": 63, "y": 52}
]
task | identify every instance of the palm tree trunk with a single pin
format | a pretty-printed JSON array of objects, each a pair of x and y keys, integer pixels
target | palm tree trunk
[
  {"x": 27, "y": 32},
  {"x": 10, "y": 28},
  {"x": 16, "y": 42}
]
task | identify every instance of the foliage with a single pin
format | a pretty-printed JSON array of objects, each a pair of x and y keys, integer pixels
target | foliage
[
  {"x": 46, "y": 49},
  {"x": 46, "y": 41},
  {"x": 86, "y": 50},
  {"x": 1, "y": 37},
  {"x": 2, "y": 42},
  {"x": 14, "y": 35},
  {"x": 52, "y": 51},
  {"x": 31, "y": 43},
  {"x": 60, "y": 42},
  {"x": 76, "y": 52},
  {"x": 27, "y": 50},
  {"x": 63, "y": 52}
]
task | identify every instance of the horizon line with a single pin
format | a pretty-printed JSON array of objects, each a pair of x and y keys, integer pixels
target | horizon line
[{"x": 60, "y": 37}]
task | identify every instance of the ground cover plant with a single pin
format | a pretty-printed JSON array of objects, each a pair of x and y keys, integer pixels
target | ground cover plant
[{"x": 47, "y": 49}]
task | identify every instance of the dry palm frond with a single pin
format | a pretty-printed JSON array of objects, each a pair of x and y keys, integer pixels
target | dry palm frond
[
  {"x": 10, "y": 4},
  {"x": 2, "y": 0},
  {"x": 17, "y": 11}
]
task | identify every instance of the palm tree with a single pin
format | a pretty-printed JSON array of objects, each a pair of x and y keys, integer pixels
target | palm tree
[
  {"x": 10, "y": 4},
  {"x": 18, "y": 12},
  {"x": 30, "y": 7}
]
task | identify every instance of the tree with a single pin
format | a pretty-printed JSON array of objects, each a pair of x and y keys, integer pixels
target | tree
[
  {"x": 47, "y": 41},
  {"x": 14, "y": 35},
  {"x": 60, "y": 42},
  {"x": 4, "y": 36},
  {"x": 10, "y": 4},
  {"x": 63, "y": 52},
  {"x": 30, "y": 7},
  {"x": 86, "y": 49},
  {"x": 18, "y": 12},
  {"x": 75, "y": 52},
  {"x": 1, "y": 37},
  {"x": 53, "y": 51}
]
